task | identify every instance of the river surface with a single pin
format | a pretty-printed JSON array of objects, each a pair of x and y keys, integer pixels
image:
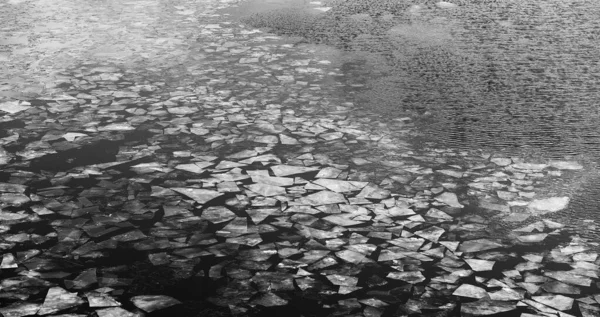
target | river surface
[{"x": 516, "y": 76}]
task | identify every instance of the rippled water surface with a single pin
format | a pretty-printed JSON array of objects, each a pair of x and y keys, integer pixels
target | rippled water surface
[{"x": 506, "y": 75}]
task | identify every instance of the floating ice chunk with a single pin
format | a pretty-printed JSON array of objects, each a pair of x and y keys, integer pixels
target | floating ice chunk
[
  {"x": 559, "y": 302},
  {"x": 486, "y": 307},
  {"x": 449, "y": 199},
  {"x": 150, "y": 303},
  {"x": 552, "y": 204},
  {"x": 472, "y": 291},
  {"x": 565, "y": 165}
]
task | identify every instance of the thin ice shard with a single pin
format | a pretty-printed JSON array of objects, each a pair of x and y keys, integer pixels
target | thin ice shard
[
  {"x": 552, "y": 204},
  {"x": 266, "y": 190},
  {"x": 413, "y": 277},
  {"x": 340, "y": 186},
  {"x": 449, "y": 199},
  {"x": 558, "y": 302},
  {"x": 19, "y": 309},
  {"x": 324, "y": 197},
  {"x": 479, "y": 245},
  {"x": 288, "y": 170},
  {"x": 59, "y": 299},
  {"x": 486, "y": 307},
  {"x": 432, "y": 233},
  {"x": 201, "y": 196},
  {"x": 150, "y": 303},
  {"x": 472, "y": 291}
]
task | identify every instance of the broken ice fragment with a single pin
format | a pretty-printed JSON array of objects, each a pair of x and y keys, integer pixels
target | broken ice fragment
[
  {"x": 101, "y": 300},
  {"x": 529, "y": 166},
  {"x": 266, "y": 190},
  {"x": 201, "y": 196},
  {"x": 116, "y": 127},
  {"x": 541, "y": 307},
  {"x": 342, "y": 280},
  {"x": 479, "y": 245},
  {"x": 352, "y": 256},
  {"x": 5, "y": 156},
  {"x": 453, "y": 173},
  {"x": 531, "y": 288},
  {"x": 557, "y": 287},
  {"x": 329, "y": 172},
  {"x": 486, "y": 307},
  {"x": 15, "y": 106},
  {"x": 19, "y": 309},
  {"x": 114, "y": 312},
  {"x": 72, "y": 136},
  {"x": 539, "y": 226},
  {"x": 59, "y": 299},
  {"x": 432, "y": 233},
  {"x": 14, "y": 199},
  {"x": 436, "y": 213},
  {"x": 258, "y": 215},
  {"x": 324, "y": 197},
  {"x": 588, "y": 256},
  {"x": 532, "y": 238},
  {"x": 340, "y": 186},
  {"x": 287, "y": 170},
  {"x": 8, "y": 262},
  {"x": 552, "y": 204},
  {"x": 200, "y": 131},
  {"x": 411, "y": 244},
  {"x": 566, "y": 277},
  {"x": 552, "y": 224},
  {"x": 342, "y": 220},
  {"x": 501, "y": 161},
  {"x": 83, "y": 280},
  {"x": 412, "y": 277},
  {"x": 227, "y": 165},
  {"x": 125, "y": 94},
  {"x": 287, "y": 140},
  {"x": 269, "y": 139},
  {"x": 480, "y": 265},
  {"x": 150, "y": 303},
  {"x": 572, "y": 249},
  {"x": 273, "y": 181},
  {"x": 558, "y": 302},
  {"x": 449, "y": 199},
  {"x": 228, "y": 187},
  {"x": 347, "y": 289},
  {"x": 472, "y": 291},
  {"x": 372, "y": 191},
  {"x": 450, "y": 245},
  {"x": 564, "y": 165},
  {"x": 217, "y": 214},
  {"x": 197, "y": 167},
  {"x": 182, "y": 110},
  {"x": 373, "y": 302},
  {"x": 506, "y": 294},
  {"x": 269, "y": 300}
]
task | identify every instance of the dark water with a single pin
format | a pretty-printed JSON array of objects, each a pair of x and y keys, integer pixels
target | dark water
[
  {"x": 506, "y": 75},
  {"x": 513, "y": 74}
]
